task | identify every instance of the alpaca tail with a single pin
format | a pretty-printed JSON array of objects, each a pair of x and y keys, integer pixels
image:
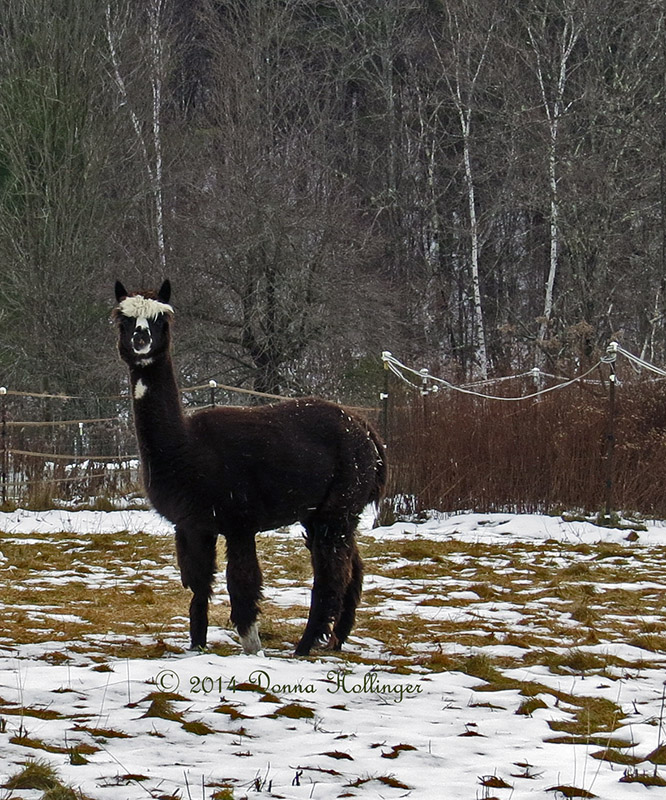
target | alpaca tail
[{"x": 381, "y": 467}]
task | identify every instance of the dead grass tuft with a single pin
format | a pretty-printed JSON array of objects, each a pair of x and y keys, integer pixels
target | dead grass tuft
[
  {"x": 632, "y": 775},
  {"x": 34, "y": 775}
]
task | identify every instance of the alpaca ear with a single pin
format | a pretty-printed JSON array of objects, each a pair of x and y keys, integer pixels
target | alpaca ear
[
  {"x": 121, "y": 291},
  {"x": 165, "y": 292}
]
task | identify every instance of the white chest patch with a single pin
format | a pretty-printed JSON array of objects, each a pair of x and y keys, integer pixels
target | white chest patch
[{"x": 140, "y": 389}]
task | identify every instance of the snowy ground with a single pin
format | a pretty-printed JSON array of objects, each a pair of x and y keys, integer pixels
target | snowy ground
[{"x": 495, "y": 656}]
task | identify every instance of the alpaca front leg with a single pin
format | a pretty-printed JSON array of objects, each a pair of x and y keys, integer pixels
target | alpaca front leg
[
  {"x": 195, "y": 552},
  {"x": 244, "y": 582},
  {"x": 199, "y": 620}
]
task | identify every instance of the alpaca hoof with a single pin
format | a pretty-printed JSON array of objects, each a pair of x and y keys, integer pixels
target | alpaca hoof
[
  {"x": 250, "y": 640},
  {"x": 333, "y": 643},
  {"x": 303, "y": 648}
]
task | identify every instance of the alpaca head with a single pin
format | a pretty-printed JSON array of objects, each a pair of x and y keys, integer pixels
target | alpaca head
[{"x": 143, "y": 324}]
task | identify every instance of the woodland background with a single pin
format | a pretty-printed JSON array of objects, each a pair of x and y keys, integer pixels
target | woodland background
[{"x": 477, "y": 187}]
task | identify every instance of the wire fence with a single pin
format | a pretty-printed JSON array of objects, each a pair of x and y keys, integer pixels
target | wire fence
[
  {"x": 533, "y": 441},
  {"x": 60, "y": 449},
  {"x": 74, "y": 449},
  {"x": 530, "y": 442}
]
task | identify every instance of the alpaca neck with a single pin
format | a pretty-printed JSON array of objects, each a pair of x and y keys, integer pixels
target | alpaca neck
[{"x": 158, "y": 413}]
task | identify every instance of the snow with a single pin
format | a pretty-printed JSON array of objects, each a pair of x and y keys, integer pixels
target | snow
[{"x": 437, "y": 733}]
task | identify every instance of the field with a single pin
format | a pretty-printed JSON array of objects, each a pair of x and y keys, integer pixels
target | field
[{"x": 498, "y": 655}]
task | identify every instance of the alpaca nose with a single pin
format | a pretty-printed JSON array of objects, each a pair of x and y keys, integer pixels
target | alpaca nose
[{"x": 141, "y": 341}]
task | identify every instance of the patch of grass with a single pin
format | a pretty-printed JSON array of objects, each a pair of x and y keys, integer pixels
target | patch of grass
[
  {"x": 648, "y": 641},
  {"x": 385, "y": 780},
  {"x": 61, "y": 792},
  {"x": 494, "y": 782},
  {"x": 338, "y": 754},
  {"x": 161, "y": 705},
  {"x": 231, "y": 710},
  {"x": 103, "y": 733},
  {"x": 34, "y": 775},
  {"x": 395, "y": 751},
  {"x": 597, "y": 741},
  {"x": 657, "y": 756},
  {"x": 294, "y": 711},
  {"x": 392, "y": 781},
  {"x": 198, "y": 728},
  {"x": 31, "y": 711},
  {"x": 590, "y": 715},
  {"x": 614, "y": 756},
  {"x": 76, "y": 757},
  {"x": 574, "y": 660},
  {"x": 226, "y": 793},
  {"x": 22, "y": 739},
  {"x": 632, "y": 775},
  {"x": 571, "y": 791},
  {"x": 529, "y": 706},
  {"x": 481, "y": 666}
]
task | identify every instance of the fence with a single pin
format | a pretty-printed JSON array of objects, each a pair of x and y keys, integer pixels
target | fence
[
  {"x": 64, "y": 449},
  {"x": 531, "y": 442}
]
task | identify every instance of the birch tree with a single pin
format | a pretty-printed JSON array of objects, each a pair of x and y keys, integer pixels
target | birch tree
[
  {"x": 146, "y": 122},
  {"x": 461, "y": 73},
  {"x": 552, "y": 43}
]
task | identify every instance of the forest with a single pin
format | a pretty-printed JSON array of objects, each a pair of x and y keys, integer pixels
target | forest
[{"x": 475, "y": 186}]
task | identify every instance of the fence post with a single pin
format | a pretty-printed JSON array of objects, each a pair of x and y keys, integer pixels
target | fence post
[
  {"x": 610, "y": 435},
  {"x": 384, "y": 397},
  {"x": 424, "y": 394},
  {"x": 3, "y": 436},
  {"x": 213, "y": 387}
]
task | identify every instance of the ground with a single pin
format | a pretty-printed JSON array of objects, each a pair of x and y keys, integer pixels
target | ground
[{"x": 505, "y": 656}]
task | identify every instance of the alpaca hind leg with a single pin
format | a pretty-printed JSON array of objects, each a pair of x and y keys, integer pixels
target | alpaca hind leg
[
  {"x": 196, "y": 559},
  {"x": 331, "y": 555},
  {"x": 350, "y": 602},
  {"x": 244, "y": 582}
]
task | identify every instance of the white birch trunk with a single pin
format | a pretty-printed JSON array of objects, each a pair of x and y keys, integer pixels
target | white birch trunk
[
  {"x": 157, "y": 57},
  {"x": 462, "y": 87},
  {"x": 152, "y": 165},
  {"x": 481, "y": 353},
  {"x": 553, "y": 110}
]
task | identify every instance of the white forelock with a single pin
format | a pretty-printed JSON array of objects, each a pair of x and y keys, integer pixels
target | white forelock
[{"x": 139, "y": 306}]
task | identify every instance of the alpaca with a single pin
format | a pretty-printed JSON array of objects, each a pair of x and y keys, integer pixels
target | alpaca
[{"x": 237, "y": 471}]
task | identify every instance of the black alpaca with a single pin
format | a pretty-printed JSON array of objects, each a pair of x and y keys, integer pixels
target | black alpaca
[{"x": 237, "y": 471}]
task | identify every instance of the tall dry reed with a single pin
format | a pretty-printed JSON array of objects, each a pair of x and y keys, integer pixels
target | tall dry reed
[{"x": 456, "y": 452}]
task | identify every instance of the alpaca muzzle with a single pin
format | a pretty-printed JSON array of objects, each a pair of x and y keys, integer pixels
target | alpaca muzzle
[{"x": 141, "y": 342}]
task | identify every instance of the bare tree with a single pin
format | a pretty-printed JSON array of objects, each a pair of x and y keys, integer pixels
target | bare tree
[
  {"x": 56, "y": 140},
  {"x": 462, "y": 67},
  {"x": 279, "y": 243},
  {"x": 552, "y": 41},
  {"x": 146, "y": 122}
]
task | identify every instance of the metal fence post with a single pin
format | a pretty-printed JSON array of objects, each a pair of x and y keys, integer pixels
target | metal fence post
[
  {"x": 610, "y": 435},
  {"x": 5, "y": 451},
  {"x": 384, "y": 396}
]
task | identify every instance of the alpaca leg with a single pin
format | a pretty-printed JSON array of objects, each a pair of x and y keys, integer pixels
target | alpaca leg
[
  {"x": 244, "y": 583},
  {"x": 331, "y": 553},
  {"x": 350, "y": 602},
  {"x": 196, "y": 559}
]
